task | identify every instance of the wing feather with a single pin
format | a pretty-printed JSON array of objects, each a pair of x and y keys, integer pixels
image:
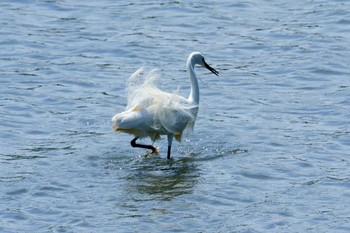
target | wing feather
[{"x": 151, "y": 112}]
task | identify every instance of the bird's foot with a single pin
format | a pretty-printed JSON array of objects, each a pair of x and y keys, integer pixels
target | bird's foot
[{"x": 153, "y": 152}]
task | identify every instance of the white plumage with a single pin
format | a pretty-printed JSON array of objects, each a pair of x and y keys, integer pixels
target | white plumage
[{"x": 151, "y": 112}]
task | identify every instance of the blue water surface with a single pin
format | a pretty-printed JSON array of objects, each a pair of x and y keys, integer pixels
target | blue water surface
[{"x": 270, "y": 149}]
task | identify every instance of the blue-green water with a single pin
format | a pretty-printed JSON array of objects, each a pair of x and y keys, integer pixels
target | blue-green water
[{"x": 270, "y": 150}]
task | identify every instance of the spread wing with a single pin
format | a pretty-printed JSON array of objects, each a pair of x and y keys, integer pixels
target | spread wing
[{"x": 152, "y": 112}]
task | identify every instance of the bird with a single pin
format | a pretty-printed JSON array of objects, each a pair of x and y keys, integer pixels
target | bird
[{"x": 151, "y": 112}]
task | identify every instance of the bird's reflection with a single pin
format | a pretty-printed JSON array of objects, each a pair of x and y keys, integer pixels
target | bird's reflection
[{"x": 163, "y": 179}]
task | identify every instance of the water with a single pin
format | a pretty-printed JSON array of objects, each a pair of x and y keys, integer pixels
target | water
[{"x": 270, "y": 151}]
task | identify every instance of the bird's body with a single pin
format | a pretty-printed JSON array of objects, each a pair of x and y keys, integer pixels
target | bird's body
[{"x": 152, "y": 112}]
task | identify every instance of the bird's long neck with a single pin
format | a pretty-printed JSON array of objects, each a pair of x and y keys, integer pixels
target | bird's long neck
[{"x": 194, "y": 94}]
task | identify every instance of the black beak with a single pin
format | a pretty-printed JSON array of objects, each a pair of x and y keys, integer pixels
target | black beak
[{"x": 214, "y": 71}]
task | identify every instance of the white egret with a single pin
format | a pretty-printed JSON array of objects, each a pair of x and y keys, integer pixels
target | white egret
[{"x": 151, "y": 112}]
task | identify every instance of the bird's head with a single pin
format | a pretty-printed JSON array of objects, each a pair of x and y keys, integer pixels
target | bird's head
[{"x": 197, "y": 58}]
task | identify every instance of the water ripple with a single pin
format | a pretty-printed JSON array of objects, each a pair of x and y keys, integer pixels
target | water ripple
[{"x": 270, "y": 146}]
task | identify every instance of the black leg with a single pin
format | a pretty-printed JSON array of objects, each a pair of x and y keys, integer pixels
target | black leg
[
  {"x": 170, "y": 140},
  {"x": 134, "y": 144},
  {"x": 169, "y": 150}
]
